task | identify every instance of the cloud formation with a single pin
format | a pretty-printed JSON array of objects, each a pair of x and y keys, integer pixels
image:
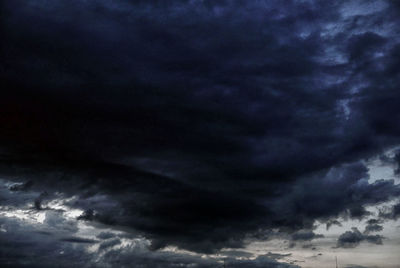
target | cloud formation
[
  {"x": 33, "y": 244},
  {"x": 201, "y": 124},
  {"x": 351, "y": 239}
]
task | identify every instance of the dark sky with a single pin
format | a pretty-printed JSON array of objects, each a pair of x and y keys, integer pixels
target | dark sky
[{"x": 195, "y": 125}]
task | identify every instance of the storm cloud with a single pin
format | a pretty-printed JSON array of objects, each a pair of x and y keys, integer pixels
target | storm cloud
[
  {"x": 353, "y": 238},
  {"x": 200, "y": 125}
]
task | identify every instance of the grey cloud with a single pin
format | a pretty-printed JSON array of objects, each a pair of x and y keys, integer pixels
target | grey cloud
[
  {"x": 131, "y": 257},
  {"x": 332, "y": 222},
  {"x": 78, "y": 240},
  {"x": 277, "y": 256},
  {"x": 105, "y": 235},
  {"x": 373, "y": 228},
  {"x": 392, "y": 213},
  {"x": 238, "y": 253},
  {"x": 21, "y": 186},
  {"x": 260, "y": 261},
  {"x": 351, "y": 239},
  {"x": 22, "y": 245},
  {"x": 110, "y": 243},
  {"x": 305, "y": 236}
]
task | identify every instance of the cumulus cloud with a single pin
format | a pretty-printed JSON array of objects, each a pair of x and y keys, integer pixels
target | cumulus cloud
[
  {"x": 31, "y": 241},
  {"x": 332, "y": 222},
  {"x": 305, "y": 236},
  {"x": 392, "y": 212},
  {"x": 373, "y": 228},
  {"x": 29, "y": 245},
  {"x": 351, "y": 239}
]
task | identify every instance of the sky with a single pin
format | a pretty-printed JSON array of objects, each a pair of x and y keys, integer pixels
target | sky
[{"x": 199, "y": 133}]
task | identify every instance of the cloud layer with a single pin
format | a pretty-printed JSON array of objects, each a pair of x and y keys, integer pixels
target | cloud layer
[{"x": 202, "y": 124}]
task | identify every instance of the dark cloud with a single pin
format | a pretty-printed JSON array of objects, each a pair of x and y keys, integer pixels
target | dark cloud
[
  {"x": 105, "y": 235},
  {"x": 373, "y": 221},
  {"x": 332, "y": 222},
  {"x": 128, "y": 257},
  {"x": 78, "y": 240},
  {"x": 21, "y": 186},
  {"x": 87, "y": 215},
  {"x": 38, "y": 201},
  {"x": 358, "y": 212},
  {"x": 397, "y": 160},
  {"x": 22, "y": 245},
  {"x": 351, "y": 239},
  {"x": 305, "y": 236},
  {"x": 277, "y": 256},
  {"x": 200, "y": 123},
  {"x": 392, "y": 213},
  {"x": 110, "y": 243},
  {"x": 373, "y": 228}
]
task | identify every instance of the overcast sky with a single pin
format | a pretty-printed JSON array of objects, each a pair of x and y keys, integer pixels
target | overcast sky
[{"x": 165, "y": 133}]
